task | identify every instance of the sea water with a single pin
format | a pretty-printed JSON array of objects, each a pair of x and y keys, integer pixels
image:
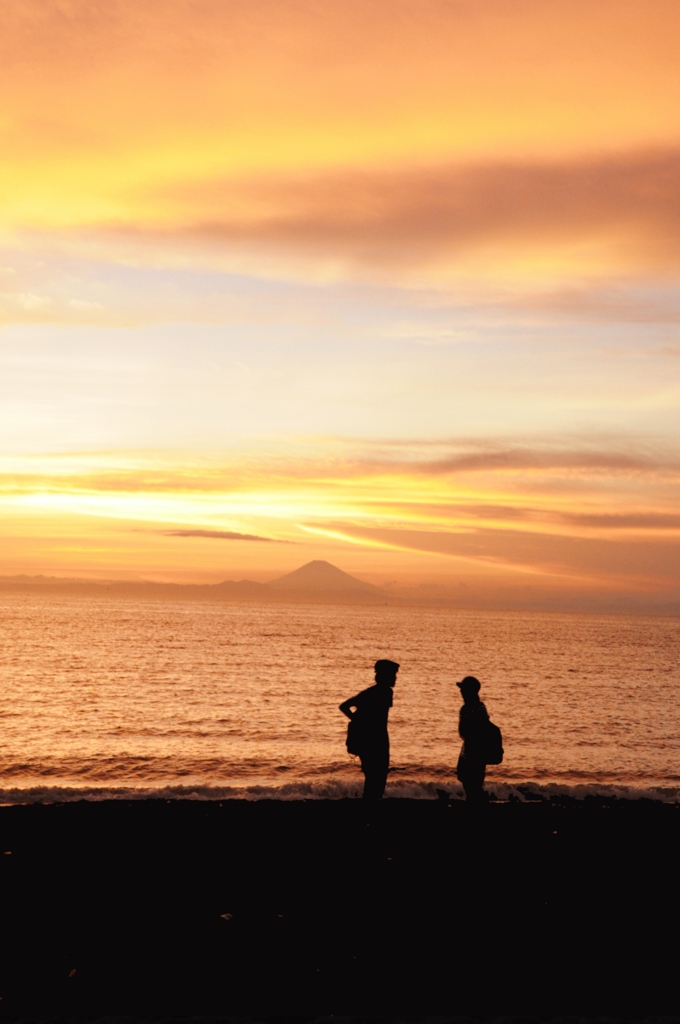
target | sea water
[{"x": 106, "y": 697}]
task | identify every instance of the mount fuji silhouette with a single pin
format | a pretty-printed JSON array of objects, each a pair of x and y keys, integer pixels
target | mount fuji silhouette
[{"x": 321, "y": 577}]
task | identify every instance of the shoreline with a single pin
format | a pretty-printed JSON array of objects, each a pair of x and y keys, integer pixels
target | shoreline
[
  {"x": 410, "y": 906},
  {"x": 332, "y": 790}
]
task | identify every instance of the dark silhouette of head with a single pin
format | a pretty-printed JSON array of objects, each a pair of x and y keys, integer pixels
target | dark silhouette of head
[
  {"x": 469, "y": 688},
  {"x": 386, "y": 672}
]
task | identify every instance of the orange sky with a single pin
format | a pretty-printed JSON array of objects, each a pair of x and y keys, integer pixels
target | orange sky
[{"x": 393, "y": 283}]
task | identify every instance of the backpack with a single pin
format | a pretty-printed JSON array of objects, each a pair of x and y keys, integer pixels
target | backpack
[{"x": 493, "y": 744}]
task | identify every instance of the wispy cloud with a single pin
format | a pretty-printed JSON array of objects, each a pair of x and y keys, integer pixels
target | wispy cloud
[
  {"x": 595, "y": 216},
  {"x": 323, "y": 462},
  {"x": 222, "y": 535},
  {"x": 640, "y": 563},
  {"x": 591, "y": 236},
  {"x": 545, "y": 458},
  {"x": 603, "y": 521}
]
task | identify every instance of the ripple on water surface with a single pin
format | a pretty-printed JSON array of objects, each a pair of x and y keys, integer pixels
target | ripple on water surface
[{"x": 221, "y": 699}]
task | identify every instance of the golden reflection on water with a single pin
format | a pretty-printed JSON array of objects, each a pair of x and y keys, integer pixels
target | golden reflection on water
[{"x": 125, "y": 693}]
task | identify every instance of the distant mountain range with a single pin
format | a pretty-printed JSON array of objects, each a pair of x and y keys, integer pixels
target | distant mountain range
[{"x": 317, "y": 581}]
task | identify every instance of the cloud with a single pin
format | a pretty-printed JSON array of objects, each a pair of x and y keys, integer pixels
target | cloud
[
  {"x": 619, "y": 214},
  {"x": 595, "y": 237},
  {"x": 638, "y": 562},
  {"x": 529, "y": 514},
  {"x": 479, "y": 456},
  {"x": 373, "y": 138},
  {"x": 394, "y": 471},
  {"x": 623, "y": 521},
  {"x": 221, "y": 535},
  {"x": 546, "y": 459}
]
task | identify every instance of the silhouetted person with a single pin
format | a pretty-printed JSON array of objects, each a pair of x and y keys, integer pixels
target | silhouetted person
[
  {"x": 367, "y": 734},
  {"x": 473, "y": 727}
]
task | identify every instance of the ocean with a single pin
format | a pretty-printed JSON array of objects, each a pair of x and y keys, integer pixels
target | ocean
[{"x": 105, "y": 698}]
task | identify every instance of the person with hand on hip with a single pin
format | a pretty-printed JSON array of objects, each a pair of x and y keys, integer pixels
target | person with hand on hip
[{"x": 367, "y": 733}]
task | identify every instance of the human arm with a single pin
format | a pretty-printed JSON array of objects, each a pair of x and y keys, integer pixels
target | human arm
[{"x": 347, "y": 705}]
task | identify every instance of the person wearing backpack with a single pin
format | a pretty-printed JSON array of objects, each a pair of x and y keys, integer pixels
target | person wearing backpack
[
  {"x": 481, "y": 741},
  {"x": 367, "y": 730}
]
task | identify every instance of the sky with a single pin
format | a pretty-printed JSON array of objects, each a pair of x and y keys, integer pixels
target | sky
[{"x": 393, "y": 283}]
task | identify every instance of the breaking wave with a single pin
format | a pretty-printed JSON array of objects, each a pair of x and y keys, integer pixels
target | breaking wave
[{"x": 337, "y": 789}]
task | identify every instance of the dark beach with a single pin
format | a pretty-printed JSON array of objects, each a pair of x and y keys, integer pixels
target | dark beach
[{"x": 531, "y": 908}]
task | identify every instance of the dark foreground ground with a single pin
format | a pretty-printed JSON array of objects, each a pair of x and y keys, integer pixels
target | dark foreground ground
[{"x": 189, "y": 908}]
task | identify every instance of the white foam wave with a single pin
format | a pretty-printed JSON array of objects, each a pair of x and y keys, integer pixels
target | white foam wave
[{"x": 337, "y": 789}]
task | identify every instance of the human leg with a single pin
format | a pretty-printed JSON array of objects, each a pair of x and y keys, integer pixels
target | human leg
[
  {"x": 375, "y": 776},
  {"x": 471, "y": 774}
]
